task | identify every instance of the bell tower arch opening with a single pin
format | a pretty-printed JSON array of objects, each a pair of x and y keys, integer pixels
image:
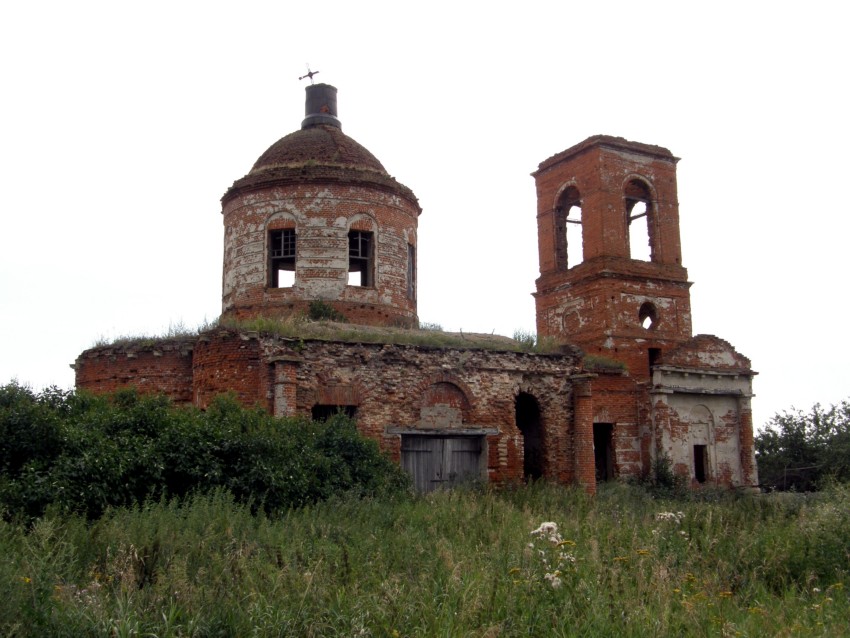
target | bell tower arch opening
[
  {"x": 638, "y": 202},
  {"x": 569, "y": 245}
]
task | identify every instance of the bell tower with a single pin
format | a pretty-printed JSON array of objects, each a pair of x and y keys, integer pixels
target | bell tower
[{"x": 611, "y": 275}]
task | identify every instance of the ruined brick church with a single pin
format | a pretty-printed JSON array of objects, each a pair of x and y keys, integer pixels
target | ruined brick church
[{"x": 319, "y": 219}]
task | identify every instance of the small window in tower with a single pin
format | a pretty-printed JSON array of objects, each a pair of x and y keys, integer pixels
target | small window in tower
[
  {"x": 360, "y": 259},
  {"x": 411, "y": 271},
  {"x": 282, "y": 258},
  {"x": 648, "y": 315}
]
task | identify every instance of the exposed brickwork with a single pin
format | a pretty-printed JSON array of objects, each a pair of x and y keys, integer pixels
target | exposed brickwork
[
  {"x": 706, "y": 352},
  {"x": 392, "y": 387},
  {"x": 164, "y": 367},
  {"x": 322, "y": 215},
  {"x": 323, "y": 184},
  {"x": 597, "y": 304},
  {"x": 619, "y": 400},
  {"x": 679, "y": 394},
  {"x": 585, "y": 470},
  {"x": 678, "y": 397}
]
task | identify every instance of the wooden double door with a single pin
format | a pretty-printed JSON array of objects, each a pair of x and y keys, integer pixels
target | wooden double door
[{"x": 441, "y": 462}]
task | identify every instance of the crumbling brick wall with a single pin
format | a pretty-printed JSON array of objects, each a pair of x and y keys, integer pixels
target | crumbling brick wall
[
  {"x": 392, "y": 387},
  {"x": 163, "y": 366}
]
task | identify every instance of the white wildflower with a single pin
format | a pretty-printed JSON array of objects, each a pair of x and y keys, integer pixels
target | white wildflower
[
  {"x": 675, "y": 517},
  {"x": 567, "y": 558},
  {"x": 553, "y": 580},
  {"x": 548, "y": 531}
]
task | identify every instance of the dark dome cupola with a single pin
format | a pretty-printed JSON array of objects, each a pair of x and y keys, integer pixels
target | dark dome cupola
[{"x": 318, "y": 218}]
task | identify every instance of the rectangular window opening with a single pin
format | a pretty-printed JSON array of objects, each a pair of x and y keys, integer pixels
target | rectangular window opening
[
  {"x": 360, "y": 259},
  {"x": 324, "y": 412},
  {"x": 282, "y": 258},
  {"x": 411, "y": 271}
]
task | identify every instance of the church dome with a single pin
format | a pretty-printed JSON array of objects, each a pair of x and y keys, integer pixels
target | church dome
[
  {"x": 318, "y": 153},
  {"x": 322, "y": 144},
  {"x": 318, "y": 218}
]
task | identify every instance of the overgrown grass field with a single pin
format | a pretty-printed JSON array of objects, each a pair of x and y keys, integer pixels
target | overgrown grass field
[{"x": 625, "y": 563}]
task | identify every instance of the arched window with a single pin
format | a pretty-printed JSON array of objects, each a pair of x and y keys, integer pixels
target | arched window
[
  {"x": 639, "y": 220},
  {"x": 648, "y": 315},
  {"x": 569, "y": 244}
]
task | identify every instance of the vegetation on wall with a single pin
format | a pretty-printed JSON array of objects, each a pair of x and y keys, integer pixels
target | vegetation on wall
[
  {"x": 84, "y": 453},
  {"x": 600, "y": 363},
  {"x": 803, "y": 451},
  {"x": 322, "y": 322}
]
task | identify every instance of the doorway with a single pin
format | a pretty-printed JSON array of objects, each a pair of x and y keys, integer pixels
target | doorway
[
  {"x": 603, "y": 450},
  {"x": 701, "y": 463},
  {"x": 528, "y": 422}
]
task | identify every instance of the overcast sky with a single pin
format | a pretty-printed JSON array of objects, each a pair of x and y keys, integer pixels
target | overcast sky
[{"x": 122, "y": 124}]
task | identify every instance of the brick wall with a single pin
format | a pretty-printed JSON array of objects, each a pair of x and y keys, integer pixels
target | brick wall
[
  {"x": 322, "y": 215},
  {"x": 162, "y": 367},
  {"x": 400, "y": 387}
]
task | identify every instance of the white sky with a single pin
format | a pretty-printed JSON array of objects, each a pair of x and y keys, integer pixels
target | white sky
[{"x": 122, "y": 124}]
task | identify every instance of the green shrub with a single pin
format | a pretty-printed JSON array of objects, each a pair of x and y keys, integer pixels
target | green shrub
[
  {"x": 804, "y": 451},
  {"x": 321, "y": 311},
  {"x": 85, "y": 454}
]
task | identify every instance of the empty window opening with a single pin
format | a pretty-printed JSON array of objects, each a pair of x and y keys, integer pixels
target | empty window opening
[
  {"x": 648, "y": 315},
  {"x": 569, "y": 246},
  {"x": 411, "y": 271},
  {"x": 575, "y": 239},
  {"x": 360, "y": 258},
  {"x": 654, "y": 356},
  {"x": 639, "y": 233},
  {"x": 282, "y": 258},
  {"x": 603, "y": 450},
  {"x": 638, "y": 220},
  {"x": 701, "y": 463},
  {"x": 528, "y": 422},
  {"x": 324, "y": 412}
]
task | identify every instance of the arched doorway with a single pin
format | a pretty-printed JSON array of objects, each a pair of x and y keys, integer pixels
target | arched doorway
[{"x": 528, "y": 422}]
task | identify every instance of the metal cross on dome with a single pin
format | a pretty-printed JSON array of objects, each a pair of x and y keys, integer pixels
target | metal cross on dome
[{"x": 309, "y": 74}]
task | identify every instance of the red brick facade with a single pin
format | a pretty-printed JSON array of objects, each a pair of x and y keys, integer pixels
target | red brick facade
[
  {"x": 319, "y": 209},
  {"x": 680, "y": 397}
]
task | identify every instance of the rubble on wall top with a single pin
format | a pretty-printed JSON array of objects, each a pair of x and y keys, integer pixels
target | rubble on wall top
[{"x": 609, "y": 141}]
